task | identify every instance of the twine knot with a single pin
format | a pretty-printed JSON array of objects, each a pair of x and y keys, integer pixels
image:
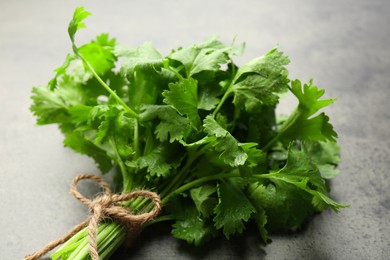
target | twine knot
[{"x": 107, "y": 205}]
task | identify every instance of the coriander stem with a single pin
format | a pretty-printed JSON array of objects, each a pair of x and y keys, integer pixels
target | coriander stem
[
  {"x": 178, "y": 176},
  {"x": 291, "y": 120},
  {"x": 97, "y": 77},
  {"x": 198, "y": 182},
  {"x": 159, "y": 219},
  {"x": 222, "y": 101},
  {"x": 136, "y": 139},
  {"x": 176, "y": 72},
  {"x": 127, "y": 182},
  {"x": 270, "y": 143},
  {"x": 228, "y": 91}
]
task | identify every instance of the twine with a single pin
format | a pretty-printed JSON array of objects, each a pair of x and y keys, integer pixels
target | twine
[{"x": 105, "y": 206}]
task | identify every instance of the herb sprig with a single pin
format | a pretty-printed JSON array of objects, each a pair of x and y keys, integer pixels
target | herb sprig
[{"x": 197, "y": 129}]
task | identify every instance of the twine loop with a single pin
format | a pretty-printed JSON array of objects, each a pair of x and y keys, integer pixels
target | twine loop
[{"x": 107, "y": 205}]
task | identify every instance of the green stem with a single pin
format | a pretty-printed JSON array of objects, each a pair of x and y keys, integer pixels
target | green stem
[
  {"x": 176, "y": 72},
  {"x": 136, "y": 139},
  {"x": 180, "y": 175},
  {"x": 127, "y": 181},
  {"x": 228, "y": 91},
  {"x": 109, "y": 90},
  {"x": 291, "y": 120},
  {"x": 270, "y": 143},
  {"x": 206, "y": 179},
  {"x": 160, "y": 219},
  {"x": 198, "y": 182},
  {"x": 222, "y": 101}
]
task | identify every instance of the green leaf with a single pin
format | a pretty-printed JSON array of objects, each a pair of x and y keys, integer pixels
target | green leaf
[
  {"x": 233, "y": 208},
  {"x": 133, "y": 57},
  {"x": 159, "y": 162},
  {"x": 99, "y": 53},
  {"x": 260, "y": 129},
  {"x": 309, "y": 97},
  {"x": 301, "y": 172},
  {"x": 326, "y": 155},
  {"x": 261, "y": 220},
  {"x": 225, "y": 144},
  {"x": 48, "y": 107},
  {"x": 203, "y": 202},
  {"x": 80, "y": 14},
  {"x": 109, "y": 123},
  {"x": 255, "y": 156},
  {"x": 80, "y": 144},
  {"x": 189, "y": 226},
  {"x": 183, "y": 96},
  {"x": 260, "y": 81},
  {"x": 142, "y": 68},
  {"x": 107, "y": 126},
  {"x": 193, "y": 229},
  {"x": 145, "y": 86},
  {"x": 208, "y": 95},
  {"x": 207, "y": 56},
  {"x": 52, "y": 105},
  {"x": 60, "y": 71},
  {"x": 285, "y": 205},
  {"x": 172, "y": 126},
  {"x": 302, "y": 124}
]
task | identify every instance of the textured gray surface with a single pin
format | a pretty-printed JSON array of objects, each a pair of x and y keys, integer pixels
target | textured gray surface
[{"x": 344, "y": 45}]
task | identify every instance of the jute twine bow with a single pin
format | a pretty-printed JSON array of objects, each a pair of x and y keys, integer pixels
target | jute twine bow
[{"x": 105, "y": 206}]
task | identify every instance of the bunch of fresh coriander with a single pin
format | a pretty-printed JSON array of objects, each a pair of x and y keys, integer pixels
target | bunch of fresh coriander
[{"x": 196, "y": 129}]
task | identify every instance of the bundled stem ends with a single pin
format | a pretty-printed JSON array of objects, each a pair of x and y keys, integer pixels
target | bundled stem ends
[{"x": 105, "y": 206}]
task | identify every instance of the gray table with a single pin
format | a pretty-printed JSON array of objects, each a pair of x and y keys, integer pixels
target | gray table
[{"x": 344, "y": 45}]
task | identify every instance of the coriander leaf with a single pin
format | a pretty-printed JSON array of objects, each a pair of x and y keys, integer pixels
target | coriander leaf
[
  {"x": 159, "y": 162},
  {"x": 145, "y": 86},
  {"x": 60, "y": 71},
  {"x": 212, "y": 127},
  {"x": 193, "y": 229},
  {"x": 261, "y": 220},
  {"x": 78, "y": 143},
  {"x": 189, "y": 226},
  {"x": 285, "y": 205},
  {"x": 81, "y": 115},
  {"x": 183, "y": 96},
  {"x": 77, "y": 21},
  {"x": 260, "y": 81},
  {"x": 47, "y": 106},
  {"x": 233, "y": 208},
  {"x": 208, "y": 96},
  {"x": 99, "y": 53},
  {"x": 108, "y": 123},
  {"x": 302, "y": 124},
  {"x": 230, "y": 151},
  {"x": 203, "y": 202},
  {"x": 259, "y": 129},
  {"x": 207, "y": 56},
  {"x": 301, "y": 172},
  {"x": 308, "y": 97},
  {"x": 51, "y": 106},
  {"x": 171, "y": 124},
  {"x": 107, "y": 126},
  {"x": 144, "y": 55},
  {"x": 142, "y": 68},
  {"x": 255, "y": 156},
  {"x": 123, "y": 136},
  {"x": 326, "y": 156}
]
